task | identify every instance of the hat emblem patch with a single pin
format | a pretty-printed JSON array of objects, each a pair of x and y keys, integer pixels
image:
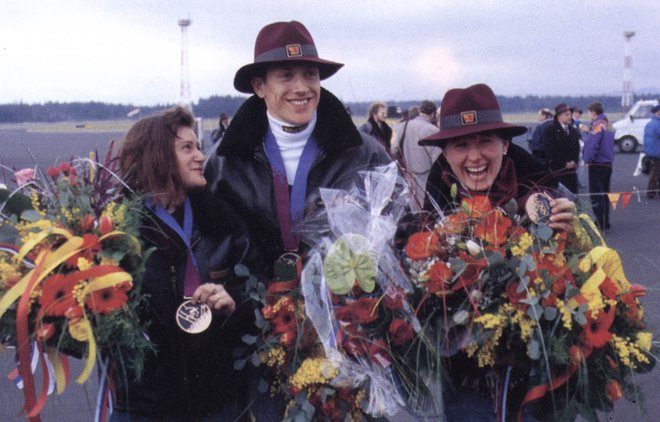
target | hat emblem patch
[
  {"x": 468, "y": 118},
  {"x": 293, "y": 50}
]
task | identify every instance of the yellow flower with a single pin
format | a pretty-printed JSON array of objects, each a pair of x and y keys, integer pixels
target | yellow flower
[
  {"x": 314, "y": 371},
  {"x": 80, "y": 330},
  {"x": 525, "y": 242},
  {"x": 84, "y": 264},
  {"x": 644, "y": 341}
]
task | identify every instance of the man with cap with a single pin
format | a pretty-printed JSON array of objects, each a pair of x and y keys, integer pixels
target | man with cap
[
  {"x": 289, "y": 139},
  {"x": 652, "y": 150},
  {"x": 479, "y": 158},
  {"x": 561, "y": 142}
]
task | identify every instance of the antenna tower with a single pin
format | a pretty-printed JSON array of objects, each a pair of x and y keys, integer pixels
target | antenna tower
[
  {"x": 627, "y": 94},
  {"x": 184, "y": 94}
]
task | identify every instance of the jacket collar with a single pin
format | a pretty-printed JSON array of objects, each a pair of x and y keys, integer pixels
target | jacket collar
[{"x": 335, "y": 131}]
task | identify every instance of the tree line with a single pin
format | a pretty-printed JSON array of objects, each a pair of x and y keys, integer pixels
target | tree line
[{"x": 210, "y": 108}]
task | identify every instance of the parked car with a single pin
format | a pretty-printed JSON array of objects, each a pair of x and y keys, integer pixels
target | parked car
[{"x": 629, "y": 131}]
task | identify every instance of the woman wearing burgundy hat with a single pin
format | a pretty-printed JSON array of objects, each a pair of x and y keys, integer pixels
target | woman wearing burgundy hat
[{"x": 479, "y": 158}]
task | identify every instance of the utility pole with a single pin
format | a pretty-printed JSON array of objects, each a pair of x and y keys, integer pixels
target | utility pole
[
  {"x": 627, "y": 94},
  {"x": 184, "y": 94}
]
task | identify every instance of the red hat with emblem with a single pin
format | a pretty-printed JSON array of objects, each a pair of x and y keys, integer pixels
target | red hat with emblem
[
  {"x": 282, "y": 42},
  {"x": 466, "y": 111}
]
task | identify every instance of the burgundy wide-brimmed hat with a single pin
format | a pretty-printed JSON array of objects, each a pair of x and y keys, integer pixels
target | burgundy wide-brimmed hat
[
  {"x": 561, "y": 108},
  {"x": 283, "y": 42},
  {"x": 466, "y": 111}
]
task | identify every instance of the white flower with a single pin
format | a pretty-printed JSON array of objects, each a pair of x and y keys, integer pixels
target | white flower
[{"x": 473, "y": 247}]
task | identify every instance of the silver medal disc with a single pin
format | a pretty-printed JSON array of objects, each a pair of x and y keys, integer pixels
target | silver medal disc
[{"x": 192, "y": 317}]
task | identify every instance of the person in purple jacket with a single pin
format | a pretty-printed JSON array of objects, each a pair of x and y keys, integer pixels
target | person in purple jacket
[{"x": 598, "y": 155}]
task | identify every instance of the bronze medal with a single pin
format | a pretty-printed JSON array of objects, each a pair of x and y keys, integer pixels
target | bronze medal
[
  {"x": 193, "y": 318},
  {"x": 538, "y": 208}
]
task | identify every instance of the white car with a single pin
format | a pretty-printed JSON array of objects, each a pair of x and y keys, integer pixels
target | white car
[{"x": 629, "y": 131}]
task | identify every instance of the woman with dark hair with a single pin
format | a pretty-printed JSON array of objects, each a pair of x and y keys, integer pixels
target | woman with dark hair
[{"x": 191, "y": 321}]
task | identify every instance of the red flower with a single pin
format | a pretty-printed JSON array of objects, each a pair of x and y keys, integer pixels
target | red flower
[
  {"x": 284, "y": 320},
  {"x": 56, "y": 296},
  {"x": 379, "y": 354},
  {"x": 87, "y": 223},
  {"x": 439, "y": 276},
  {"x": 67, "y": 169},
  {"x": 609, "y": 288},
  {"x": 559, "y": 286},
  {"x": 629, "y": 299},
  {"x": 597, "y": 330},
  {"x": 455, "y": 223},
  {"x": 613, "y": 390},
  {"x": 106, "y": 300},
  {"x": 494, "y": 228},
  {"x": 514, "y": 296},
  {"x": 105, "y": 224},
  {"x": 52, "y": 171},
  {"x": 550, "y": 300},
  {"x": 421, "y": 245},
  {"x": 472, "y": 271},
  {"x": 365, "y": 309},
  {"x": 90, "y": 247},
  {"x": 400, "y": 331},
  {"x": 477, "y": 206},
  {"x": 394, "y": 298},
  {"x": 267, "y": 312}
]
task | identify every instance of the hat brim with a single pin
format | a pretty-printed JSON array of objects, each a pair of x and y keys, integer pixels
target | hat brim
[
  {"x": 442, "y": 137},
  {"x": 243, "y": 77}
]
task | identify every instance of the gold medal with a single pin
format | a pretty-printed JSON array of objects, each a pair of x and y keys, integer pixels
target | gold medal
[{"x": 193, "y": 318}]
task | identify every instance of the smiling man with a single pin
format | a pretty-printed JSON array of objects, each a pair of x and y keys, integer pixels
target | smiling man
[{"x": 289, "y": 139}]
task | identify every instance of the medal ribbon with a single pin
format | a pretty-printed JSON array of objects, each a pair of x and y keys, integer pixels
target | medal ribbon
[
  {"x": 289, "y": 209},
  {"x": 192, "y": 279}
]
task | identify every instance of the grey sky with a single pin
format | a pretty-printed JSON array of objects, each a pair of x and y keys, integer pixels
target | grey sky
[{"x": 128, "y": 51}]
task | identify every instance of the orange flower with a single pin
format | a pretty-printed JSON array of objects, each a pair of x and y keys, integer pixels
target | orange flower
[
  {"x": 87, "y": 223},
  {"x": 455, "y": 223},
  {"x": 477, "y": 206},
  {"x": 57, "y": 296},
  {"x": 421, "y": 245},
  {"x": 494, "y": 228},
  {"x": 597, "y": 330},
  {"x": 613, "y": 390},
  {"x": 439, "y": 276},
  {"x": 106, "y": 300}
]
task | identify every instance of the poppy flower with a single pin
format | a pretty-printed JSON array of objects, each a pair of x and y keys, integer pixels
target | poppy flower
[
  {"x": 421, "y": 245},
  {"x": 57, "y": 294},
  {"x": 494, "y": 228},
  {"x": 439, "y": 276},
  {"x": 400, "y": 331},
  {"x": 597, "y": 330},
  {"x": 365, "y": 310},
  {"x": 106, "y": 300}
]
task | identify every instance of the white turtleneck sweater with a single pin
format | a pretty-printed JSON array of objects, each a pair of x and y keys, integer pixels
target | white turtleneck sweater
[{"x": 291, "y": 145}]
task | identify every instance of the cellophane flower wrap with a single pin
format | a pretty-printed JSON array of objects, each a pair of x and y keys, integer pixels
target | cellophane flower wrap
[
  {"x": 497, "y": 290},
  {"x": 70, "y": 270},
  {"x": 345, "y": 340}
]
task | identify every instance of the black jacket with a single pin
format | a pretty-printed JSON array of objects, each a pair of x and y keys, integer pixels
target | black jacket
[
  {"x": 560, "y": 147},
  {"x": 239, "y": 172},
  {"x": 189, "y": 375}
]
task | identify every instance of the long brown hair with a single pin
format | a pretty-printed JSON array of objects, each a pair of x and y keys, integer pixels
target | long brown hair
[{"x": 147, "y": 159}]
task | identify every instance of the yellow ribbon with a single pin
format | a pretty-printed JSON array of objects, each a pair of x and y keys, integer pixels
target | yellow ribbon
[
  {"x": 68, "y": 249},
  {"x": 81, "y": 330},
  {"x": 58, "y": 369}
]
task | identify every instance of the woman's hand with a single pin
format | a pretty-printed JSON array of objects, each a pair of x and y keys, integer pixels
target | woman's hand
[
  {"x": 563, "y": 214},
  {"x": 215, "y": 297}
]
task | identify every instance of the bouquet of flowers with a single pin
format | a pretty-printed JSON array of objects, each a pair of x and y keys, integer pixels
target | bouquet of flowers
[
  {"x": 500, "y": 290},
  {"x": 344, "y": 339},
  {"x": 70, "y": 267}
]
